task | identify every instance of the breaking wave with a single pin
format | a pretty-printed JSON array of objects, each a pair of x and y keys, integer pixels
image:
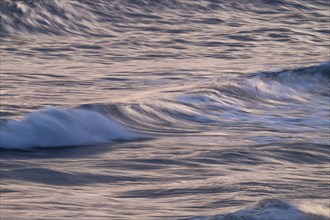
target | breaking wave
[
  {"x": 62, "y": 127},
  {"x": 225, "y": 102},
  {"x": 273, "y": 209}
]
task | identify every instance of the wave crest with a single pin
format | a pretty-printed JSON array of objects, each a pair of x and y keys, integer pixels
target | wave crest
[
  {"x": 293, "y": 82},
  {"x": 62, "y": 127},
  {"x": 269, "y": 209}
]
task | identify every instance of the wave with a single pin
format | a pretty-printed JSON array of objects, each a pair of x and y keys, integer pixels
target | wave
[
  {"x": 266, "y": 98},
  {"x": 54, "y": 127},
  {"x": 273, "y": 209},
  {"x": 314, "y": 79},
  {"x": 297, "y": 85},
  {"x": 106, "y": 18}
]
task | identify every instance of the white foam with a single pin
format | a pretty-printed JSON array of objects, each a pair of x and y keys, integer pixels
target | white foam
[
  {"x": 270, "y": 209},
  {"x": 53, "y": 127},
  {"x": 296, "y": 84}
]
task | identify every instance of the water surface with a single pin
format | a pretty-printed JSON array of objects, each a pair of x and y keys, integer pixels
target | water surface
[{"x": 167, "y": 109}]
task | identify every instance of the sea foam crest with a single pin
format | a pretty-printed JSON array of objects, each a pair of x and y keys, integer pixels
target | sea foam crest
[
  {"x": 298, "y": 83},
  {"x": 53, "y": 127},
  {"x": 270, "y": 209}
]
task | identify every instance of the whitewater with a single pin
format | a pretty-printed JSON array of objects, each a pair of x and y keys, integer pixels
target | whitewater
[{"x": 167, "y": 109}]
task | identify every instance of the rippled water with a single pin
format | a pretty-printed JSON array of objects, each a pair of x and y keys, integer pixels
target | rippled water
[{"x": 165, "y": 109}]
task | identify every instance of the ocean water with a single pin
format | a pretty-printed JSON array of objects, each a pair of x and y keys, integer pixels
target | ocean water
[{"x": 165, "y": 109}]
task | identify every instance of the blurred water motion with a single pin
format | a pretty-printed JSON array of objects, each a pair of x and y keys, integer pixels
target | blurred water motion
[{"x": 167, "y": 109}]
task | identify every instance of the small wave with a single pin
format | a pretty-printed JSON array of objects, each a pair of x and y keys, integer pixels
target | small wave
[
  {"x": 300, "y": 84},
  {"x": 292, "y": 83},
  {"x": 68, "y": 17},
  {"x": 54, "y": 127},
  {"x": 271, "y": 209},
  {"x": 102, "y": 17}
]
